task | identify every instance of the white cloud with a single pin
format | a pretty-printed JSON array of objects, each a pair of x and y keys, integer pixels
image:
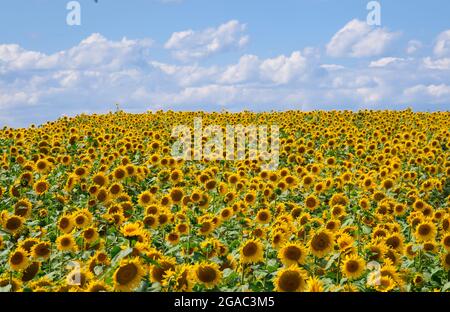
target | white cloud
[
  {"x": 385, "y": 61},
  {"x": 278, "y": 70},
  {"x": 413, "y": 46},
  {"x": 193, "y": 45},
  {"x": 332, "y": 67},
  {"x": 283, "y": 69},
  {"x": 442, "y": 46},
  {"x": 441, "y": 91},
  {"x": 358, "y": 39},
  {"x": 244, "y": 70},
  {"x": 97, "y": 73},
  {"x": 441, "y": 64}
]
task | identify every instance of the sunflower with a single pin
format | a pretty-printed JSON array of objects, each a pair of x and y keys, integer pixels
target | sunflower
[
  {"x": 208, "y": 274},
  {"x": 321, "y": 243},
  {"x": 446, "y": 261},
  {"x": 252, "y": 251},
  {"x": 206, "y": 227},
  {"x": 384, "y": 284},
  {"x": 173, "y": 238},
  {"x": 81, "y": 220},
  {"x": 23, "y": 208},
  {"x": 291, "y": 279},
  {"x": 100, "y": 179},
  {"x": 292, "y": 253},
  {"x": 164, "y": 264},
  {"x": 101, "y": 257},
  {"x": 353, "y": 266},
  {"x": 314, "y": 284},
  {"x": 128, "y": 275},
  {"x": 115, "y": 190},
  {"x": 395, "y": 241},
  {"x": 263, "y": 216},
  {"x": 183, "y": 278},
  {"x": 90, "y": 235},
  {"x": 226, "y": 214},
  {"x": 376, "y": 250},
  {"x": 97, "y": 286},
  {"x": 182, "y": 228},
  {"x": 41, "y": 251},
  {"x": 345, "y": 242},
  {"x": 31, "y": 271},
  {"x": 145, "y": 198},
  {"x": 176, "y": 194},
  {"x": 338, "y": 211},
  {"x": 18, "y": 259},
  {"x": 66, "y": 224},
  {"x": 13, "y": 224},
  {"x": 250, "y": 198},
  {"x": 66, "y": 242},
  {"x": 14, "y": 283},
  {"x": 79, "y": 278},
  {"x": 425, "y": 231},
  {"x": 131, "y": 229},
  {"x": 41, "y": 187},
  {"x": 312, "y": 202},
  {"x": 446, "y": 241},
  {"x": 278, "y": 238},
  {"x": 120, "y": 173}
]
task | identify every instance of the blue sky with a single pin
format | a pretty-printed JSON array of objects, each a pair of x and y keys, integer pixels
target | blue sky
[{"x": 213, "y": 55}]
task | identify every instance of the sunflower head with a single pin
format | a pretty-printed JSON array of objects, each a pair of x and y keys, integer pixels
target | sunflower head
[
  {"x": 291, "y": 279},
  {"x": 252, "y": 251},
  {"x": 128, "y": 275}
]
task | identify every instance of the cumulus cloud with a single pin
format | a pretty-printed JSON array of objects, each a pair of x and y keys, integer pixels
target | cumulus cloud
[
  {"x": 98, "y": 72},
  {"x": 413, "y": 46},
  {"x": 432, "y": 92},
  {"x": 358, "y": 39},
  {"x": 193, "y": 45},
  {"x": 385, "y": 61},
  {"x": 441, "y": 64},
  {"x": 442, "y": 46},
  {"x": 278, "y": 70}
]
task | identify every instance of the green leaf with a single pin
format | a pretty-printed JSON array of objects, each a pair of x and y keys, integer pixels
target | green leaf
[
  {"x": 332, "y": 260},
  {"x": 121, "y": 255},
  {"x": 6, "y": 288},
  {"x": 446, "y": 286}
]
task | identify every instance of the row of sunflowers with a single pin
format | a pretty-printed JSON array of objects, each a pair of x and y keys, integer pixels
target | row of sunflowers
[{"x": 359, "y": 202}]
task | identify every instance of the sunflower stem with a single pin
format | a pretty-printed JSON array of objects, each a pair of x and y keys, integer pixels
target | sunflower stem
[
  {"x": 338, "y": 270},
  {"x": 243, "y": 275}
]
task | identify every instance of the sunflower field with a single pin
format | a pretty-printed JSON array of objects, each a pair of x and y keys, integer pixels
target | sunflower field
[{"x": 359, "y": 202}]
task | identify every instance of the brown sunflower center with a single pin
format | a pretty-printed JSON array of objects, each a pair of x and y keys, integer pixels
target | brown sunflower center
[
  {"x": 13, "y": 224},
  {"x": 126, "y": 273},
  {"x": 293, "y": 253},
  {"x": 42, "y": 250},
  {"x": 206, "y": 274},
  {"x": 289, "y": 281},
  {"x": 352, "y": 266},
  {"x": 250, "y": 249},
  {"x": 320, "y": 241},
  {"x": 17, "y": 258},
  {"x": 447, "y": 241},
  {"x": 393, "y": 242},
  {"x": 65, "y": 242},
  {"x": 263, "y": 216},
  {"x": 424, "y": 229},
  {"x": 64, "y": 223}
]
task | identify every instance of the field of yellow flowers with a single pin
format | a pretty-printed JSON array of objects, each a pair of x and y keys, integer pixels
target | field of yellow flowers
[{"x": 360, "y": 202}]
